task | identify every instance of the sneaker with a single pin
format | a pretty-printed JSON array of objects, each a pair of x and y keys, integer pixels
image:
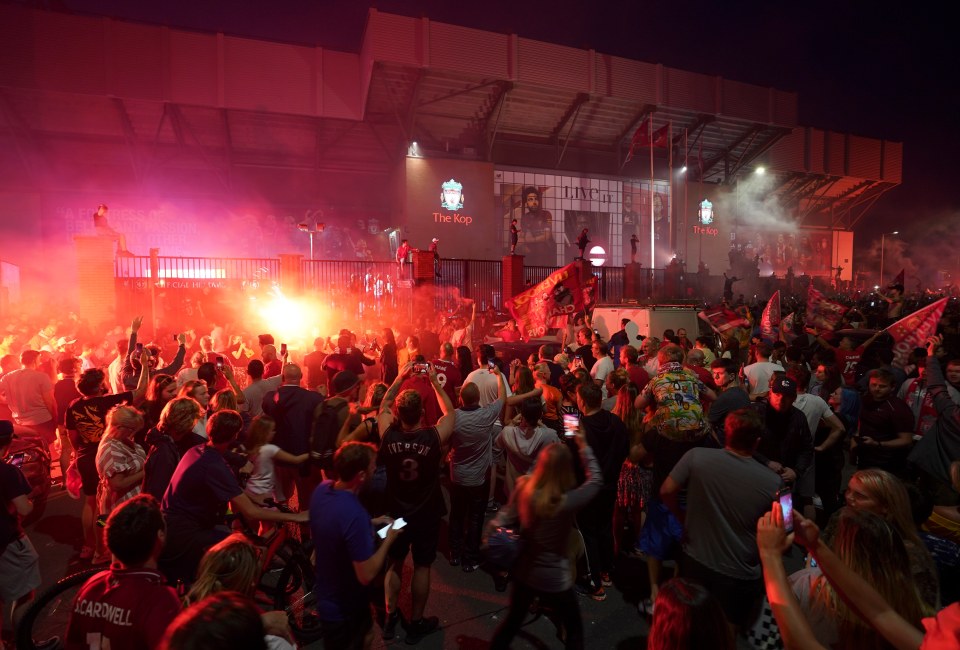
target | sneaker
[
  {"x": 596, "y": 593},
  {"x": 390, "y": 625},
  {"x": 605, "y": 579},
  {"x": 470, "y": 567},
  {"x": 419, "y": 629}
]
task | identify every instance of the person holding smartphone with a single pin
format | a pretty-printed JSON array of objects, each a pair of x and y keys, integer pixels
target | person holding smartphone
[{"x": 343, "y": 537}]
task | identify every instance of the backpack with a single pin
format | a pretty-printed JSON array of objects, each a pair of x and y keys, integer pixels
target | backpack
[{"x": 323, "y": 433}]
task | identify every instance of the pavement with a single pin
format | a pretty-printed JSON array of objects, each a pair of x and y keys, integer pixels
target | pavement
[{"x": 468, "y": 606}]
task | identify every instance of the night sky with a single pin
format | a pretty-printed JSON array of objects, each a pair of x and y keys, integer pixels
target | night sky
[{"x": 858, "y": 67}]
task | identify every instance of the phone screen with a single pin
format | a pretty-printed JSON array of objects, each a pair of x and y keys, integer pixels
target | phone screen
[
  {"x": 283, "y": 349},
  {"x": 139, "y": 348},
  {"x": 17, "y": 459},
  {"x": 786, "y": 506},
  {"x": 398, "y": 523},
  {"x": 491, "y": 365},
  {"x": 571, "y": 424}
]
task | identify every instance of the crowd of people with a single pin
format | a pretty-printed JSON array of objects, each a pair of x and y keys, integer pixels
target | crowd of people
[{"x": 675, "y": 455}]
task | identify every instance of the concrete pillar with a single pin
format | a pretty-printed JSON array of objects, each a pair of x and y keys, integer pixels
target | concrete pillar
[
  {"x": 95, "y": 279},
  {"x": 511, "y": 276}
]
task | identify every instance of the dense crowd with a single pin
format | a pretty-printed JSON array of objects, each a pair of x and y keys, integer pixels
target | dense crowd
[{"x": 703, "y": 457}]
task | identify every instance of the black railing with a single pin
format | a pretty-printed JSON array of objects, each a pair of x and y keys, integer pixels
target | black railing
[{"x": 201, "y": 268}]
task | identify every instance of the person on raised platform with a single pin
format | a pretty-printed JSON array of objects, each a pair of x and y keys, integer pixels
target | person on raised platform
[{"x": 104, "y": 229}]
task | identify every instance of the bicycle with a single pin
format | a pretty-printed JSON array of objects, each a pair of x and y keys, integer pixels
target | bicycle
[
  {"x": 44, "y": 623},
  {"x": 288, "y": 575}
]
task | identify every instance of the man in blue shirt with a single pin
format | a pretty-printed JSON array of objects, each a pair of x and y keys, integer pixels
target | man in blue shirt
[{"x": 346, "y": 560}]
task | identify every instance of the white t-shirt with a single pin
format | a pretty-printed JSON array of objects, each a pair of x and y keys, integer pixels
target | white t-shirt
[
  {"x": 600, "y": 370},
  {"x": 814, "y": 408},
  {"x": 487, "y": 384},
  {"x": 758, "y": 376},
  {"x": 23, "y": 390},
  {"x": 262, "y": 481}
]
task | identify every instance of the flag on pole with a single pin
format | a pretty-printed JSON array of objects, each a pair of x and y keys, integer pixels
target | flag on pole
[
  {"x": 898, "y": 279},
  {"x": 661, "y": 137},
  {"x": 541, "y": 307},
  {"x": 770, "y": 320},
  {"x": 722, "y": 320},
  {"x": 786, "y": 329},
  {"x": 913, "y": 331},
  {"x": 823, "y": 313},
  {"x": 641, "y": 138}
]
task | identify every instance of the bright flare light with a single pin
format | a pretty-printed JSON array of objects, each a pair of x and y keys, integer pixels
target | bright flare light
[
  {"x": 761, "y": 171},
  {"x": 683, "y": 170},
  {"x": 295, "y": 321}
]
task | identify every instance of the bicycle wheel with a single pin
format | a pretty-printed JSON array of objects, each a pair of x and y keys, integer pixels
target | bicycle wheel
[
  {"x": 294, "y": 595},
  {"x": 47, "y": 616}
]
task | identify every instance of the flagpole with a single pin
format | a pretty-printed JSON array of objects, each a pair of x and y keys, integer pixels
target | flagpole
[
  {"x": 653, "y": 254},
  {"x": 673, "y": 220}
]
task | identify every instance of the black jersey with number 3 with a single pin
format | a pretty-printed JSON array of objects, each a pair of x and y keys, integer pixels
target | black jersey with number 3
[{"x": 412, "y": 459}]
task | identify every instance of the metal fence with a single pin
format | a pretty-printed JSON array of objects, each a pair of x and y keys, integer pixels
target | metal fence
[
  {"x": 480, "y": 280},
  {"x": 200, "y": 268}
]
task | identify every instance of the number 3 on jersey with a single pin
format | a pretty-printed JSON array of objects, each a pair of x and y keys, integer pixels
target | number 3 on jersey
[{"x": 409, "y": 470}]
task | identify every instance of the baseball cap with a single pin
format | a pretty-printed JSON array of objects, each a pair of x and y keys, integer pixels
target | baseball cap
[
  {"x": 344, "y": 381},
  {"x": 784, "y": 386}
]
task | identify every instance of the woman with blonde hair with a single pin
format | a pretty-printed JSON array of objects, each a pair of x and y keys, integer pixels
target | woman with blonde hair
[
  {"x": 120, "y": 462},
  {"x": 233, "y": 565},
  {"x": 873, "y": 549},
  {"x": 167, "y": 441},
  {"x": 546, "y": 504},
  {"x": 882, "y": 493}
]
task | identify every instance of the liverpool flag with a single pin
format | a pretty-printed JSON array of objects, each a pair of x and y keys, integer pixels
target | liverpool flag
[{"x": 913, "y": 331}]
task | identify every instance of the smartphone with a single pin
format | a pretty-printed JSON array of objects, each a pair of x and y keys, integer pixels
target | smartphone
[
  {"x": 17, "y": 459},
  {"x": 421, "y": 368},
  {"x": 491, "y": 365},
  {"x": 571, "y": 425},
  {"x": 283, "y": 349},
  {"x": 398, "y": 523},
  {"x": 220, "y": 364},
  {"x": 785, "y": 497},
  {"x": 139, "y": 349}
]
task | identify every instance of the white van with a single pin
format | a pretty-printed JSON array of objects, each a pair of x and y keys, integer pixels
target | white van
[{"x": 646, "y": 321}]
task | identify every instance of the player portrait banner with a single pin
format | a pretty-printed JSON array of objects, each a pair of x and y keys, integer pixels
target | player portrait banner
[
  {"x": 822, "y": 313},
  {"x": 722, "y": 320},
  {"x": 770, "y": 319},
  {"x": 913, "y": 331},
  {"x": 538, "y": 309}
]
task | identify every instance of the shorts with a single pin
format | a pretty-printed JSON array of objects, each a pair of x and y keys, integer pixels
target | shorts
[
  {"x": 349, "y": 634},
  {"x": 20, "y": 568},
  {"x": 661, "y": 531},
  {"x": 420, "y": 536},
  {"x": 87, "y": 465},
  {"x": 740, "y": 599}
]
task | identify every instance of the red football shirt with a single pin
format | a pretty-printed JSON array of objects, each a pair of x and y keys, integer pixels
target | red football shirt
[
  {"x": 847, "y": 361},
  {"x": 122, "y": 608}
]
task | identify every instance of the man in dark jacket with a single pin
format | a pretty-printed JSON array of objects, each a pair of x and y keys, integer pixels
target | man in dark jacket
[
  {"x": 786, "y": 445},
  {"x": 293, "y": 409},
  {"x": 607, "y": 436}
]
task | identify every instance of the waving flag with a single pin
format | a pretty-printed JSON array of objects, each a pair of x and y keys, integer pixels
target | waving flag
[
  {"x": 541, "y": 307},
  {"x": 786, "y": 329},
  {"x": 722, "y": 319},
  {"x": 913, "y": 331},
  {"x": 823, "y": 313},
  {"x": 770, "y": 320}
]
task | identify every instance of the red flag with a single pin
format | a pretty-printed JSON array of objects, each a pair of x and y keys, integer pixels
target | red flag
[
  {"x": 770, "y": 320},
  {"x": 898, "y": 279},
  {"x": 823, "y": 313},
  {"x": 641, "y": 138},
  {"x": 540, "y": 307},
  {"x": 722, "y": 319},
  {"x": 913, "y": 331},
  {"x": 786, "y": 329},
  {"x": 661, "y": 137}
]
